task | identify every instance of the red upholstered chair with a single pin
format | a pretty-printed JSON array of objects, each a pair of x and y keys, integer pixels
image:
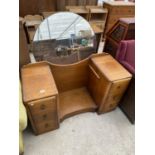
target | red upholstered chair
[{"x": 126, "y": 56}]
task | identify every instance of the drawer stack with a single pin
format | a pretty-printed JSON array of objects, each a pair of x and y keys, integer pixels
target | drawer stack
[
  {"x": 108, "y": 81},
  {"x": 40, "y": 97}
]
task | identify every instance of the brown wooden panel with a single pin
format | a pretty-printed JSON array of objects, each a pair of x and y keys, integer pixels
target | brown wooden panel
[
  {"x": 91, "y": 2},
  {"x": 46, "y": 126},
  {"x": 71, "y": 2},
  {"x": 110, "y": 68},
  {"x": 97, "y": 84},
  {"x": 46, "y": 5},
  {"x": 42, "y": 105},
  {"x": 23, "y": 47},
  {"x": 28, "y": 7},
  {"x": 75, "y": 101},
  {"x": 61, "y": 5},
  {"x": 36, "y": 6},
  {"x": 72, "y": 76},
  {"x": 45, "y": 116},
  {"x": 82, "y": 2}
]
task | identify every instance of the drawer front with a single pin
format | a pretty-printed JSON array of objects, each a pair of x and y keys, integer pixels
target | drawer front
[
  {"x": 42, "y": 105},
  {"x": 115, "y": 94},
  {"x": 46, "y": 126},
  {"x": 123, "y": 10},
  {"x": 45, "y": 116},
  {"x": 112, "y": 101}
]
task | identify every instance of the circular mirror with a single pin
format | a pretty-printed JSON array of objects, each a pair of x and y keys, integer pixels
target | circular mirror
[{"x": 64, "y": 38}]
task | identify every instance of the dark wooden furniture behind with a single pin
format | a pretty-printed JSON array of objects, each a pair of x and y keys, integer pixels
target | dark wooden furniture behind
[
  {"x": 61, "y": 4},
  {"x": 40, "y": 97},
  {"x": 23, "y": 47},
  {"x": 108, "y": 81},
  {"x": 80, "y": 10},
  {"x": 128, "y": 101},
  {"x": 123, "y": 29},
  {"x": 94, "y": 84},
  {"x": 38, "y": 6},
  {"x": 116, "y": 10}
]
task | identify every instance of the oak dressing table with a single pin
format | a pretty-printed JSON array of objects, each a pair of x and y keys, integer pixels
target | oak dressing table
[{"x": 53, "y": 91}]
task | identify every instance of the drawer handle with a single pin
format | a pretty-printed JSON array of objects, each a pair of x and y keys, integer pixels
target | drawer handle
[
  {"x": 92, "y": 69},
  {"x": 118, "y": 87},
  {"x": 111, "y": 106},
  {"x": 116, "y": 97},
  {"x": 46, "y": 125},
  {"x": 42, "y": 107},
  {"x": 44, "y": 116}
]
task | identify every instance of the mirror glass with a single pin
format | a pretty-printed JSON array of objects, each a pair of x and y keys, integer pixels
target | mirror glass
[{"x": 64, "y": 38}]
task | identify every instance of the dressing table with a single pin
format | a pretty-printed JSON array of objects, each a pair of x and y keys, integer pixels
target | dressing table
[{"x": 55, "y": 90}]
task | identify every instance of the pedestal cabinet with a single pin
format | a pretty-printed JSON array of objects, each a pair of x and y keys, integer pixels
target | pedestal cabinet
[
  {"x": 108, "y": 81},
  {"x": 40, "y": 96}
]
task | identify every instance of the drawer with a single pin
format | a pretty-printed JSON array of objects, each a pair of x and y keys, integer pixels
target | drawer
[
  {"x": 115, "y": 94},
  {"x": 43, "y": 105},
  {"x": 111, "y": 102},
  {"x": 118, "y": 87},
  {"x": 123, "y": 10},
  {"x": 113, "y": 99},
  {"x": 46, "y": 126},
  {"x": 45, "y": 116}
]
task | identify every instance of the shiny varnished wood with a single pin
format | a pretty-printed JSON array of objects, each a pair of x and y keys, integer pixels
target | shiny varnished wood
[
  {"x": 37, "y": 82},
  {"x": 108, "y": 81},
  {"x": 94, "y": 84},
  {"x": 68, "y": 77},
  {"x": 40, "y": 97},
  {"x": 44, "y": 114},
  {"x": 75, "y": 101}
]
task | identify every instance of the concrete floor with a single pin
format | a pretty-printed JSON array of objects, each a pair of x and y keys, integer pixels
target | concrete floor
[{"x": 85, "y": 134}]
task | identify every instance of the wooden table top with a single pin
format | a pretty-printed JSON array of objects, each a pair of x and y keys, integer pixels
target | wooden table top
[
  {"x": 110, "y": 67},
  {"x": 37, "y": 82}
]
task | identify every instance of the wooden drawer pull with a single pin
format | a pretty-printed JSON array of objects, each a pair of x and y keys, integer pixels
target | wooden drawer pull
[
  {"x": 111, "y": 106},
  {"x": 92, "y": 69},
  {"x": 118, "y": 87},
  {"x": 116, "y": 97},
  {"x": 46, "y": 125},
  {"x": 42, "y": 107},
  {"x": 44, "y": 116}
]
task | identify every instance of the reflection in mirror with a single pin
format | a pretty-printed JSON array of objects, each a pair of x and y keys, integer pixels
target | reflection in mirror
[{"x": 64, "y": 38}]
